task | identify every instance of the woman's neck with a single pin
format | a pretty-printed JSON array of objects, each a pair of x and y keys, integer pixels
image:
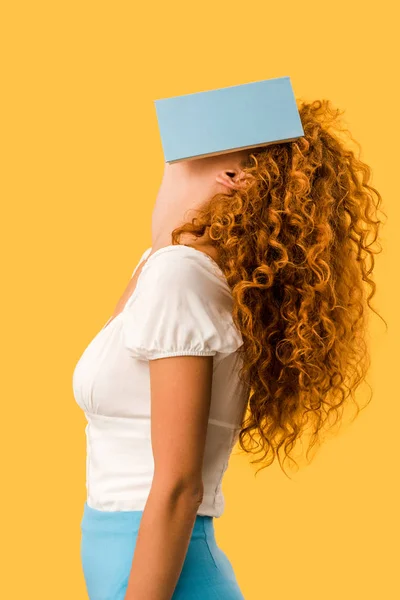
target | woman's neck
[{"x": 181, "y": 193}]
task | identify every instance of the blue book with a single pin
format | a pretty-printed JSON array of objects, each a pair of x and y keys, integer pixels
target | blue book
[{"x": 228, "y": 119}]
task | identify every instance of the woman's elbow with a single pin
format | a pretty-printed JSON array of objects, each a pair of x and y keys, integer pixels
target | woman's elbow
[{"x": 188, "y": 491}]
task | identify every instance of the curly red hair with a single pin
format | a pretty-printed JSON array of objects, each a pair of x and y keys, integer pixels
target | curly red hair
[{"x": 297, "y": 248}]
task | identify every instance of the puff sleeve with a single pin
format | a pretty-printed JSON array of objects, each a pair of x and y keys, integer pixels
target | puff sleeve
[{"x": 180, "y": 307}]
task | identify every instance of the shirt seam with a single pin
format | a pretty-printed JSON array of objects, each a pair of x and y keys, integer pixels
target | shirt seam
[{"x": 161, "y": 354}]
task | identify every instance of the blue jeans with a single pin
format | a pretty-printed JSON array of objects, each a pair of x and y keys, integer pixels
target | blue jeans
[{"x": 108, "y": 541}]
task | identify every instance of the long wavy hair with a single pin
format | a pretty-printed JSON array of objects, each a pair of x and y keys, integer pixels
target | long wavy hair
[{"x": 297, "y": 248}]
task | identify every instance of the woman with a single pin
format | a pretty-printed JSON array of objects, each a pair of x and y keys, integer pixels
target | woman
[{"x": 244, "y": 322}]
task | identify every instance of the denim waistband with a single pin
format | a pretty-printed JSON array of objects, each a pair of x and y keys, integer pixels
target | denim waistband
[{"x": 128, "y": 521}]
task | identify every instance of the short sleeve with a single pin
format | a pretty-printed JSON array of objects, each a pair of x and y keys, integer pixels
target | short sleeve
[{"x": 180, "y": 307}]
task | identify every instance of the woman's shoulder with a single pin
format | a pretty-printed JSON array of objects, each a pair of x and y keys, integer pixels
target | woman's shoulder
[
  {"x": 182, "y": 305},
  {"x": 179, "y": 264}
]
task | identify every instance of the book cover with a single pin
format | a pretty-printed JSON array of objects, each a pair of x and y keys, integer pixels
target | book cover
[{"x": 228, "y": 119}]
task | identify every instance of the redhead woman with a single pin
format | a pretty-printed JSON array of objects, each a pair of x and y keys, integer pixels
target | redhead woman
[{"x": 243, "y": 322}]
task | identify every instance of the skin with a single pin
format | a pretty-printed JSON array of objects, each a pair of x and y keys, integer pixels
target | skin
[
  {"x": 185, "y": 186},
  {"x": 180, "y": 394}
]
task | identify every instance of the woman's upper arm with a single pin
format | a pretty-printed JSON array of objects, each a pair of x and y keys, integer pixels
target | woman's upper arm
[
  {"x": 180, "y": 405},
  {"x": 179, "y": 319}
]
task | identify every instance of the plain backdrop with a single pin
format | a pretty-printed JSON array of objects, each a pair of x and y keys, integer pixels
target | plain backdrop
[{"x": 81, "y": 163}]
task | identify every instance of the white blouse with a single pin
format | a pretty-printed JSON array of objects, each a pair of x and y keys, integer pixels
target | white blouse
[{"x": 181, "y": 305}]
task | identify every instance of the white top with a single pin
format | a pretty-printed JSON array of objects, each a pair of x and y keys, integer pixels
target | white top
[{"x": 181, "y": 305}]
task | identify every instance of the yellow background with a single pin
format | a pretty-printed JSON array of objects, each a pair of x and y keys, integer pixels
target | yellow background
[{"x": 80, "y": 168}]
